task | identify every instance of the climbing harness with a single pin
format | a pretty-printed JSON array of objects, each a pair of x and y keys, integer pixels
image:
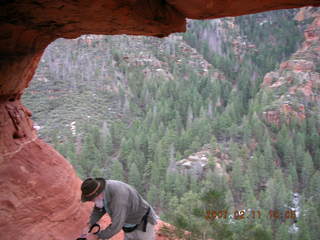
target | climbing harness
[{"x": 144, "y": 220}]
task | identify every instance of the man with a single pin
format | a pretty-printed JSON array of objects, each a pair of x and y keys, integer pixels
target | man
[{"x": 127, "y": 209}]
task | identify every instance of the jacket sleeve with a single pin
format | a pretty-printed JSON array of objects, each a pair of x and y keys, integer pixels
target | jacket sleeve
[
  {"x": 96, "y": 214},
  {"x": 118, "y": 220}
]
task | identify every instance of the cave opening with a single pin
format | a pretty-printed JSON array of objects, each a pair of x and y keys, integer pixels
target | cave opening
[{"x": 35, "y": 178}]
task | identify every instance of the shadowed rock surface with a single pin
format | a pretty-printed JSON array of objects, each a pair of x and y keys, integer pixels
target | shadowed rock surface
[{"x": 39, "y": 190}]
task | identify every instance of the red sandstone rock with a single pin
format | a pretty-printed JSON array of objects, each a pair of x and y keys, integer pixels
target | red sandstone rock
[
  {"x": 39, "y": 190},
  {"x": 202, "y": 9},
  {"x": 307, "y": 88},
  {"x": 272, "y": 117},
  {"x": 289, "y": 112},
  {"x": 298, "y": 65},
  {"x": 267, "y": 80},
  {"x": 300, "y": 68},
  {"x": 286, "y": 108},
  {"x": 27, "y": 27},
  {"x": 306, "y": 13},
  {"x": 165, "y": 231}
]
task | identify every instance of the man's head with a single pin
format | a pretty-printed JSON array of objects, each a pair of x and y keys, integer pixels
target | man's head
[{"x": 91, "y": 188}]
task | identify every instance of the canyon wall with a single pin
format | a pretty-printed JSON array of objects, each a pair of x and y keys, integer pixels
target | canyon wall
[
  {"x": 39, "y": 190},
  {"x": 299, "y": 76}
]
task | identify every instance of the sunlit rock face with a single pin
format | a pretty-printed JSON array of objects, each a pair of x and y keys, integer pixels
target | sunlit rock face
[{"x": 39, "y": 190}]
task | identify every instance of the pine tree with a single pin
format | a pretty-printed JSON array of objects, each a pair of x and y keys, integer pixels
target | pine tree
[
  {"x": 276, "y": 191},
  {"x": 237, "y": 180},
  {"x": 213, "y": 143},
  {"x": 153, "y": 196},
  {"x": 309, "y": 221},
  {"x": 307, "y": 170},
  {"x": 189, "y": 119},
  {"x": 268, "y": 157},
  {"x": 97, "y": 172},
  {"x": 258, "y": 127},
  {"x": 116, "y": 133},
  {"x": 283, "y": 232},
  {"x": 249, "y": 197},
  {"x": 125, "y": 149},
  {"x": 313, "y": 137},
  {"x": 170, "y": 183},
  {"x": 184, "y": 216},
  {"x": 314, "y": 188},
  {"x": 173, "y": 204},
  {"x": 258, "y": 170},
  {"x": 193, "y": 184},
  {"x": 247, "y": 131},
  {"x": 90, "y": 156},
  {"x": 155, "y": 174},
  {"x": 195, "y": 145},
  {"x": 288, "y": 153},
  {"x": 135, "y": 178},
  {"x": 117, "y": 171},
  {"x": 294, "y": 177},
  {"x": 181, "y": 184},
  {"x": 147, "y": 175},
  {"x": 234, "y": 151},
  {"x": 304, "y": 232},
  {"x": 299, "y": 157},
  {"x": 299, "y": 140},
  {"x": 108, "y": 146},
  {"x": 282, "y": 139}
]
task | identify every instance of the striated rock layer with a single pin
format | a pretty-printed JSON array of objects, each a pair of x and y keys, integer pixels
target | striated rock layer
[{"x": 39, "y": 190}]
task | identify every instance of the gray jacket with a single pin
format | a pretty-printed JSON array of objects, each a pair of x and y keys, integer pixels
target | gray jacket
[{"x": 124, "y": 205}]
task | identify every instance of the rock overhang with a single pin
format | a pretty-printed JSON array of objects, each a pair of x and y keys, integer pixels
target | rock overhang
[
  {"x": 27, "y": 27},
  {"x": 32, "y": 172}
]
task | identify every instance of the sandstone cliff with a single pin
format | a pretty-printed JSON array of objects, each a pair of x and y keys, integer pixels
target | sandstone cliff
[
  {"x": 39, "y": 196},
  {"x": 296, "y": 83}
]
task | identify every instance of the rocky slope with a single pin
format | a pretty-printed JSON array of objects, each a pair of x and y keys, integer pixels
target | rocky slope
[
  {"x": 295, "y": 86},
  {"x": 87, "y": 80}
]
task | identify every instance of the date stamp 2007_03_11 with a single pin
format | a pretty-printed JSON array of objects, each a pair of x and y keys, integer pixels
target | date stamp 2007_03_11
[{"x": 250, "y": 214}]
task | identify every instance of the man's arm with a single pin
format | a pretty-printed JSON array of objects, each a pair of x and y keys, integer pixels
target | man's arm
[
  {"x": 118, "y": 220},
  {"x": 96, "y": 214}
]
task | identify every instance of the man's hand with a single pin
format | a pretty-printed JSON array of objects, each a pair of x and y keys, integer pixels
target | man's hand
[
  {"x": 92, "y": 237},
  {"x": 95, "y": 229}
]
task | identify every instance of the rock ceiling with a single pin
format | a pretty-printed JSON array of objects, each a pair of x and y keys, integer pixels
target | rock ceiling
[{"x": 27, "y": 27}]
